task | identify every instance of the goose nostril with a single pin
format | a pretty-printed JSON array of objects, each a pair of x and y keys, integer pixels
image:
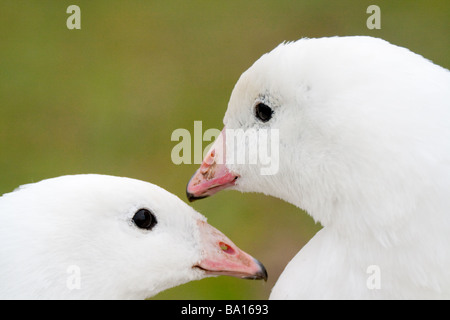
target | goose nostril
[
  {"x": 208, "y": 161},
  {"x": 226, "y": 248}
]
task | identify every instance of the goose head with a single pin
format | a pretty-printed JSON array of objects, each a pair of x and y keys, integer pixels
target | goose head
[
  {"x": 103, "y": 237},
  {"x": 353, "y": 129}
]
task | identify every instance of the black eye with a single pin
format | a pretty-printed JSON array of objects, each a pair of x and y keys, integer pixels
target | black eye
[
  {"x": 263, "y": 112},
  {"x": 144, "y": 219}
]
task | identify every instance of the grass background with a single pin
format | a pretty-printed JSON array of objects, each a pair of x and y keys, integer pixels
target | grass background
[{"x": 106, "y": 98}]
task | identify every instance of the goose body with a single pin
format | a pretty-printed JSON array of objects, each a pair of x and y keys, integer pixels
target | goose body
[{"x": 364, "y": 148}]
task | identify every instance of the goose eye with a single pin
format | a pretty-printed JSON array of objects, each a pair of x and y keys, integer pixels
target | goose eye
[
  {"x": 144, "y": 219},
  {"x": 263, "y": 112}
]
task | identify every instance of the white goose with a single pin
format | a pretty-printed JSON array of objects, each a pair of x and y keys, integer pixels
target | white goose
[
  {"x": 103, "y": 237},
  {"x": 364, "y": 148}
]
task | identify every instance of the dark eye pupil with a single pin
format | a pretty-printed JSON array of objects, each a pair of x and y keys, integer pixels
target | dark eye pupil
[
  {"x": 144, "y": 219},
  {"x": 263, "y": 112}
]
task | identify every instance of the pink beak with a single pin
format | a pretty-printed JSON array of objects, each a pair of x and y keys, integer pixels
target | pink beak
[
  {"x": 213, "y": 175},
  {"x": 222, "y": 257}
]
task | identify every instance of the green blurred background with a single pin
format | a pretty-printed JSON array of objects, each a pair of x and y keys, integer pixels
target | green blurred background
[{"x": 106, "y": 98}]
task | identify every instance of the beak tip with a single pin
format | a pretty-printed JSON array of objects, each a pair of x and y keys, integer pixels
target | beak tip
[
  {"x": 260, "y": 275},
  {"x": 191, "y": 197}
]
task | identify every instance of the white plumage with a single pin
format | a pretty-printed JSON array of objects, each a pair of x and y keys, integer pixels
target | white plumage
[
  {"x": 78, "y": 237},
  {"x": 364, "y": 130}
]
